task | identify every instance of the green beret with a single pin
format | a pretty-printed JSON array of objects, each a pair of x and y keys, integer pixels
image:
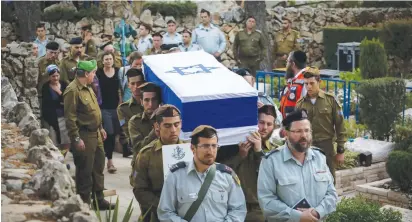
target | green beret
[{"x": 87, "y": 66}]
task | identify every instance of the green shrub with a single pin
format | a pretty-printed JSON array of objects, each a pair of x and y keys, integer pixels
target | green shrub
[
  {"x": 399, "y": 168},
  {"x": 175, "y": 9},
  {"x": 351, "y": 160},
  {"x": 403, "y": 135},
  {"x": 397, "y": 37},
  {"x": 354, "y": 130},
  {"x": 70, "y": 14},
  {"x": 386, "y": 4},
  {"x": 359, "y": 209},
  {"x": 373, "y": 61},
  {"x": 351, "y": 76},
  {"x": 114, "y": 217},
  {"x": 380, "y": 104},
  {"x": 334, "y": 35},
  {"x": 408, "y": 100}
]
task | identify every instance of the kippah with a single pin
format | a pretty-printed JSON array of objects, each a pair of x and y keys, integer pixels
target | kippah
[
  {"x": 166, "y": 110},
  {"x": 87, "y": 65},
  {"x": 296, "y": 115},
  {"x": 106, "y": 44},
  {"x": 243, "y": 72},
  {"x": 134, "y": 72},
  {"x": 76, "y": 41},
  {"x": 299, "y": 56},
  {"x": 52, "y": 46},
  {"x": 200, "y": 129}
]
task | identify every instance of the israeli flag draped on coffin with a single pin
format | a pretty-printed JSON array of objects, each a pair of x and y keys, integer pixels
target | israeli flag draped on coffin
[{"x": 206, "y": 92}]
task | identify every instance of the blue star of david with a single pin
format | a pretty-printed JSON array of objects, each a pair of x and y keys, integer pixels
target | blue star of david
[{"x": 196, "y": 69}]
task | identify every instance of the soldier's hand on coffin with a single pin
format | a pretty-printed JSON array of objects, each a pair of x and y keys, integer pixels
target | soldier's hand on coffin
[
  {"x": 256, "y": 140},
  {"x": 244, "y": 148}
]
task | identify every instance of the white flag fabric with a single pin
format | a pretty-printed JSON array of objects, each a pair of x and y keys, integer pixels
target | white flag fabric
[{"x": 206, "y": 93}]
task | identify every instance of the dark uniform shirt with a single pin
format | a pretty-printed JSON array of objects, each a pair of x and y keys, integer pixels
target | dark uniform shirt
[
  {"x": 91, "y": 48},
  {"x": 140, "y": 131},
  {"x": 286, "y": 42},
  {"x": 66, "y": 67},
  {"x": 81, "y": 109},
  {"x": 43, "y": 76},
  {"x": 125, "y": 111},
  {"x": 249, "y": 45},
  {"x": 326, "y": 118}
]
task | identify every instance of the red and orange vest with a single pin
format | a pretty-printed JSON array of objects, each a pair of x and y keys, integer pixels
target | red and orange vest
[{"x": 291, "y": 93}]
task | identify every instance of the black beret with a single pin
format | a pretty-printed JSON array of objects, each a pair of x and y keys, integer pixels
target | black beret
[
  {"x": 243, "y": 72},
  {"x": 299, "y": 56},
  {"x": 76, "y": 41},
  {"x": 134, "y": 72},
  {"x": 296, "y": 115},
  {"x": 106, "y": 44},
  {"x": 52, "y": 45},
  {"x": 167, "y": 47}
]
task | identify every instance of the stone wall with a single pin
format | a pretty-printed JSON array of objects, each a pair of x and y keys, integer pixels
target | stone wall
[
  {"x": 308, "y": 20},
  {"x": 347, "y": 180}
]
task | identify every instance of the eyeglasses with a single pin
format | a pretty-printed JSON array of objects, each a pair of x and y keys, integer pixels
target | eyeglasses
[
  {"x": 208, "y": 146},
  {"x": 305, "y": 131}
]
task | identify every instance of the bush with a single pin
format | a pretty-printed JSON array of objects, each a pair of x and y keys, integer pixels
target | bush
[
  {"x": 70, "y": 14},
  {"x": 373, "y": 61},
  {"x": 403, "y": 135},
  {"x": 380, "y": 104},
  {"x": 351, "y": 76},
  {"x": 360, "y": 209},
  {"x": 399, "y": 168},
  {"x": 175, "y": 9},
  {"x": 351, "y": 160},
  {"x": 354, "y": 130},
  {"x": 397, "y": 37},
  {"x": 334, "y": 35}
]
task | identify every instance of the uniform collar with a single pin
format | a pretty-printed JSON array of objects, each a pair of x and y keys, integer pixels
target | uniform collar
[
  {"x": 79, "y": 84},
  {"x": 145, "y": 116},
  {"x": 211, "y": 26},
  {"x": 287, "y": 154},
  {"x": 132, "y": 101},
  {"x": 192, "y": 167},
  {"x": 159, "y": 144},
  {"x": 321, "y": 94}
]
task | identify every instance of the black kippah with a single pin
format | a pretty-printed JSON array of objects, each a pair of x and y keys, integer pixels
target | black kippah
[
  {"x": 52, "y": 46},
  {"x": 296, "y": 115},
  {"x": 134, "y": 72},
  {"x": 299, "y": 56}
]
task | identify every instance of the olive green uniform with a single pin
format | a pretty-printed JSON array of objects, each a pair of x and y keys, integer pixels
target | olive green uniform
[
  {"x": 66, "y": 67},
  {"x": 149, "y": 178},
  {"x": 285, "y": 43},
  {"x": 117, "y": 60},
  {"x": 43, "y": 76},
  {"x": 247, "y": 169},
  {"x": 84, "y": 119},
  {"x": 125, "y": 111},
  {"x": 90, "y": 48},
  {"x": 327, "y": 122},
  {"x": 141, "y": 134},
  {"x": 249, "y": 49},
  {"x": 153, "y": 51}
]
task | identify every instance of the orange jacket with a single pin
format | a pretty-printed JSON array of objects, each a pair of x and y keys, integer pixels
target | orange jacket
[{"x": 291, "y": 93}]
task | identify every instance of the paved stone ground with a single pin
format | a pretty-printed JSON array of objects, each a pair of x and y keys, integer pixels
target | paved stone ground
[{"x": 118, "y": 182}]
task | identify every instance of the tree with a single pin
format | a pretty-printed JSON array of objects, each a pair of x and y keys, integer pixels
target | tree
[
  {"x": 257, "y": 9},
  {"x": 29, "y": 15}
]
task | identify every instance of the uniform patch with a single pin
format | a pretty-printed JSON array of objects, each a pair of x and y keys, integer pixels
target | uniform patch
[
  {"x": 122, "y": 122},
  {"x": 224, "y": 168},
  {"x": 177, "y": 166},
  {"x": 292, "y": 96}
]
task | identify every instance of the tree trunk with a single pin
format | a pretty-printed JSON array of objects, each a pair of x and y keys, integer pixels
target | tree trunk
[
  {"x": 28, "y": 15},
  {"x": 257, "y": 9}
]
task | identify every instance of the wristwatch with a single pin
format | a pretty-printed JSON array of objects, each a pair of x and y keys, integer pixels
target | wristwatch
[{"x": 340, "y": 150}]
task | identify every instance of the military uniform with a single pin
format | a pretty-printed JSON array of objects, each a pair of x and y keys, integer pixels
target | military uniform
[
  {"x": 149, "y": 178},
  {"x": 125, "y": 112},
  {"x": 286, "y": 42},
  {"x": 283, "y": 182},
  {"x": 66, "y": 67},
  {"x": 141, "y": 134},
  {"x": 327, "y": 122},
  {"x": 153, "y": 51},
  {"x": 90, "y": 48},
  {"x": 247, "y": 169},
  {"x": 224, "y": 200},
  {"x": 84, "y": 119},
  {"x": 249, "y": 49},
  {"x": 144, "y": 43},
  {"x": 192, "y": 47}
]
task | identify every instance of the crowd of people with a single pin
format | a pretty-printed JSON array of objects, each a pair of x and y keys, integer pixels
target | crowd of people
[{"x": 88, "y": 97}]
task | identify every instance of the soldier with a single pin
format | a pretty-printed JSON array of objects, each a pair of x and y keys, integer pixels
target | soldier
[
  {"x": 295, "y": 85},
  {"x": 51, "y": 58},
  {"x": 187, "y": 45},
  {"x": 214, "y": 186},
  {"x": 326, "y": 116},
  {"x": 286, "y": 41},
  {"x": 131, "y": 107},
  {"x": 294, "y": 182},
  {"x": 157, "y": 43},
  {"x": 171, "y": 36},
  {"x": 209, "y": 36},
  {"x": 249, "y": 46},
  {"x": 148, "y": 172},
  {"x": 246, "y": 162},
  {"x": 90, "y": 47},
  {"x": 84, "y": 126},
  {"x": 68, "y": 63},
  {"x": 141, "y": 125},
  {"x": 145, "y": 40},
  {"x": 108, "y": 47}
]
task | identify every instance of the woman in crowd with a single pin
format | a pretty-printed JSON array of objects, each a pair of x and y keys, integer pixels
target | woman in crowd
[
  {"x": 52, "y": 108},
  {"x": 111, "y": 98}
]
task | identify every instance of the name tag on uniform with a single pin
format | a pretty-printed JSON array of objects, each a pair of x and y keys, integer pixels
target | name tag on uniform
[{"x": 193, "y": 195}]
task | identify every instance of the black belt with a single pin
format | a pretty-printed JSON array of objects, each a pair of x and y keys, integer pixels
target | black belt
[{"x": 85, "y": 129}]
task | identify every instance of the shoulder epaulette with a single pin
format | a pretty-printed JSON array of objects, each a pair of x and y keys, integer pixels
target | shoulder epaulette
[
  {"x": 271, "y": 152},
  {"x": 329, "y": 94},
  {"x": 300, "y": 99},
  {"x": 226, "y": 169},
  {"x": 315, "y": 148},
  {"x": 177, "y": 166},
  {"x": 147, "y": 147}
]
